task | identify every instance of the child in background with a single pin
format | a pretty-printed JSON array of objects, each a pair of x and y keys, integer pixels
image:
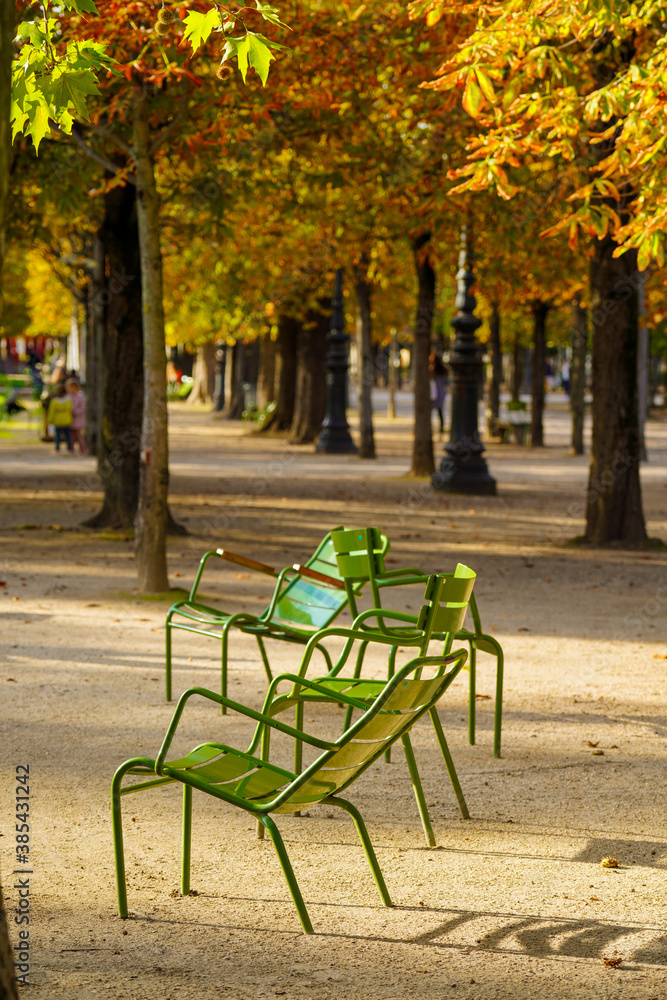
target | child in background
[
  {"x": 78, "y": 425},
  {"x": 59, "y": 415}
]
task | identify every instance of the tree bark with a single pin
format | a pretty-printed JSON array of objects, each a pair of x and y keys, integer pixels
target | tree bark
[
  {"x": 286, "y": 347},
  {"x": 422, "y": 448},
  {"x": 267, "y": 372},
  {"x": 151, "y": 520},
  {"x": 116, "y": 319},
  {"x": 203, "y": 374},
  {"x": 614, "y": 504},
  {"x": 235, "y": 406},
  {"x": 311, "y": 378},
  {"x": 366, "y": 373},
  {"x": 540, "y": 311},
  {"x": 578, "y": 373},
  {"x": 496, "y": 361},
  {"x": 95, "y": 342},
  {"x": 517, "y": 369}
]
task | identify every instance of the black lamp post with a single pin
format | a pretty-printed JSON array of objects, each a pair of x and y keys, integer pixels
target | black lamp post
[
  {"x": 463, "y": 469},
  {"x": 335, "y": 436}
]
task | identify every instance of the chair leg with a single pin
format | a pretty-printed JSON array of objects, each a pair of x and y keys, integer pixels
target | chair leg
[
  {"x": 167, "y": 660},
  {"x": 186, "y": 847},
  {"x": 118, "y": 851},
  {"x": 288, "y": 872},
  {"x": 419, "y": 791},
  {"x": 367, "y": 846},
  {"x": 391, "y": 668},
  {"x": 449, "y": 763},
  {"x": 265, "y": 659},
  {"x": 223, "y": 665},
  {"x": 117, "y": 830},
  {"x": 472, "y": 696},
  {"x": 498, "y": 722}
]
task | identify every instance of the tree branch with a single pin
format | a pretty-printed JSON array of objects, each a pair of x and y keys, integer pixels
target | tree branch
[
  {"x": 175, "y": 121},
  {"x": 89, "y": 151}
]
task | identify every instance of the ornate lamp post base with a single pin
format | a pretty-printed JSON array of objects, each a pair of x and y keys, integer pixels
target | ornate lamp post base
[
  {"x": 464, "y": 474},
  {"x": 463, "y": 469},
  {"x": 335, "y": 437}
]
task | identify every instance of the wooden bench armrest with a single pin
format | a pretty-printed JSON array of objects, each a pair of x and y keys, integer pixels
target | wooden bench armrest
[
  {"x": 244, "y": 561},
  {"x": 331, "y": 581}
]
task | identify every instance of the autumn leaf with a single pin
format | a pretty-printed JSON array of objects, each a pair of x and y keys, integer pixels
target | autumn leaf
[{"x": 473, "y": 99}]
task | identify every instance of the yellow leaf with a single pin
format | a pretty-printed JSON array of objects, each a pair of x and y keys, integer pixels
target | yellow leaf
[
  {"x": 473, "y": 99},
  {"x": 433, "y": 17},
  {"x": 485, "y": 83}
]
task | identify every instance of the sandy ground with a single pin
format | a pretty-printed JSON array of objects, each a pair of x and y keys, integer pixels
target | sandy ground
[{"x": 512, "y": 904}]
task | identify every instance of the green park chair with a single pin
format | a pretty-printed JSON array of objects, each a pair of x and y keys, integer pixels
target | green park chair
[
  {"x": 446, "y": 600},
  {"x": 360, "y": 558},
  {"x": 249, "y": 781},
  {"x": 305, "y": 599}
]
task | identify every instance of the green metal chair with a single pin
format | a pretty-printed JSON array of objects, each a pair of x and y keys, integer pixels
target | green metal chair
[
  {"x": 250, "y": 782},
  {"x": 445, "y": 604},
  {"x": 305, "y": 599},
  {"x": 360, "y": 559}
]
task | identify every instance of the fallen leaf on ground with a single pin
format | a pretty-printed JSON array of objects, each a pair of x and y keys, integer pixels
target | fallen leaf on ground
[
  {"x": 589, "y": 744},
  {"x": 612, "y": 963},
  {"x": 609, "y": 863},
  {"x": 483, "y": 697}
]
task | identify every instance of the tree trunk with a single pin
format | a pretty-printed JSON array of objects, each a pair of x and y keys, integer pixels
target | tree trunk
[
  {"x": 311, "y": 378},
  {"x": 496, "y": 361},
  {"x": 365, "y": 364},
  {"x": 422, "y": 448},
  {"x": 236, "y": 403},
  {"x": 7, "y": 980},
  {"x": 517, "y": 369},
  {"x": 267, "y": 372},
  {"x": 203, "y": 374},
  {"x": 614, "y": 503},
  {"x": 540, "y": 311},
  {"x": 286, "y": 346},
  {"x": 95, "y": 334},
  {"x": 116, "y": 310},
  {"x": 151, "y": 521},
  {"x": 578, "y": 373}
]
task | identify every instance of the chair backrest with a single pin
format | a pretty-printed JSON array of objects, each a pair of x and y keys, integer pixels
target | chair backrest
[
  {"x": 312, "y": 604},
  {"x": 396, "y": 709},
  {"x": 360, "y": 557},
  {"x": 447, "y": 596}
]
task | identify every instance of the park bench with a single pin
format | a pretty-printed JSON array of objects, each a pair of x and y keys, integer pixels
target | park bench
[{"x": 249, "y": 781}]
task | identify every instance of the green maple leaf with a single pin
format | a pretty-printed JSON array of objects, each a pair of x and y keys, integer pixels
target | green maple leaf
[
  {"x": 69, "y": 89},
  {"x": 39, "y": 123},
  {"x": 81, "y": 6},
  {"x": 251, "y": 49},
  {"x": 199, "y": 26}
]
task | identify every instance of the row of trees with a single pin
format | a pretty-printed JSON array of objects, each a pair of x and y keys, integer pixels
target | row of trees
[{"x": 249, "y": 197}]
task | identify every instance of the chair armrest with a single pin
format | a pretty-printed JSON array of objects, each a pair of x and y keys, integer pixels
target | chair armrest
[
  {"x": 397, "y": 616},
  {"x": 330, "y": 581},
  {"x": 259, "y": 717},
  {"x": 233, "y": 557}
]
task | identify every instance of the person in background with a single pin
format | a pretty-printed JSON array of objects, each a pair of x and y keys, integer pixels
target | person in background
[
  {"x": 78, "y": 425},
  {"x": 439, "y": 381},
  {"x": 59, "y": 416}
]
